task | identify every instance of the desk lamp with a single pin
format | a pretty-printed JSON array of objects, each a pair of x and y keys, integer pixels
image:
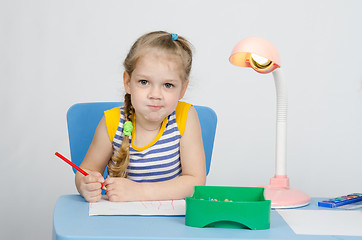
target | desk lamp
[{"x": 262, "y": 56}]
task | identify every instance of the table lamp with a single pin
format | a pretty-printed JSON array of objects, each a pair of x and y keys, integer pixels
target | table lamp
[{"x": 262, "y": 56}]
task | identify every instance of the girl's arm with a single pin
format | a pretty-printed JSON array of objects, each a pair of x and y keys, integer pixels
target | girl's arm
[
  {"x": 193, "y": 172},
  {"x": 94, "y": 163}
]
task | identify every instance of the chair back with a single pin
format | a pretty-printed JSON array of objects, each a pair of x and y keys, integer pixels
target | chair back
[{"x": 83, "y": 119}]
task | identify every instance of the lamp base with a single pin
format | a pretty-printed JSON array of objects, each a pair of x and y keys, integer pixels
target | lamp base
[{"x": 282, "y": 196}]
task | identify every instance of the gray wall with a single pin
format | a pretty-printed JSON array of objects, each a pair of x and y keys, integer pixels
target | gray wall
[{"x": 57, "y": 53}]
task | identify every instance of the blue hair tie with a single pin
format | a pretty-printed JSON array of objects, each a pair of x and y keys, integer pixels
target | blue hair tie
[{"x": 174, "y": 36}]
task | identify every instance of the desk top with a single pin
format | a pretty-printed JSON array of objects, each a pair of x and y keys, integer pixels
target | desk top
[{"x": 72, "y": 221}]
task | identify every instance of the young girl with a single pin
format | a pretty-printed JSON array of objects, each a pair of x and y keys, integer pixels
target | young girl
[{"x": 152, "y": 144}]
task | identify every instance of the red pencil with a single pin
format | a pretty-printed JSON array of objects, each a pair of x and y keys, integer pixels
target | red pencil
[{"x": 76, "y": 167}]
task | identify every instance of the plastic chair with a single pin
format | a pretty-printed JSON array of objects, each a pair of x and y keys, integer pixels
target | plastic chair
[{"x": 83, "y": 119}]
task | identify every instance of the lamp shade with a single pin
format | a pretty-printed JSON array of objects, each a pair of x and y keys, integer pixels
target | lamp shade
[{"x": 243, "y": 53}]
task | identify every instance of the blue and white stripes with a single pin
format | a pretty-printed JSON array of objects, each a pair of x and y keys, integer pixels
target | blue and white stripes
[{"x": 159, "y": 162}]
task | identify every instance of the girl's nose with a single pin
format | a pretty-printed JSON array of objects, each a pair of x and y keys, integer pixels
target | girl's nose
[{"x": 155, "y": 93}]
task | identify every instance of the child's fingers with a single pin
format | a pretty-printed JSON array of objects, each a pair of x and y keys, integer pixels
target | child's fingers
[
  {"x": 93, "y": 196},
  {"x": 93, "y": 199},
  {"x": 92, "y": 182},
  {"x": 113, "y": 197},
  {"x": 108, "y": 181},
  {"x": 93, "y": 186},
  {"x": 98, "y": 176},
  {"x": 94, "y": 177},
  {"x": 90, "y": 179}
]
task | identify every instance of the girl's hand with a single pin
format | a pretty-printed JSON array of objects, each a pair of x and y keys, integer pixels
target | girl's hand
[
  {"x": 90, "y": 186},
  {"x": 122, "y": 189}
]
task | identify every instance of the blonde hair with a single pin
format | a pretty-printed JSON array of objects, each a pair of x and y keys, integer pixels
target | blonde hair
[{"x": 161, "y": 41}]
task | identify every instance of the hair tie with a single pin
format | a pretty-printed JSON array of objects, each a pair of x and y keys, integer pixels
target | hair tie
[
  {"x": 127, "y": 128},
  {"x": 174, "y": 36}
]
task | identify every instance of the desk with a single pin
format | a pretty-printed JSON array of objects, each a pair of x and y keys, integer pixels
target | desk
[{"x": 71, "y": 221}]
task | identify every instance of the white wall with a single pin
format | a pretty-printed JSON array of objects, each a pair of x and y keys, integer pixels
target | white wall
[{"x": 57, "y": 53}]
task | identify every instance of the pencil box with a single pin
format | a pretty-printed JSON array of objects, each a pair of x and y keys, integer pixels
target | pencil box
[
  {"x": 340, "y": 201},
  {"x": 228, "y": 207}
]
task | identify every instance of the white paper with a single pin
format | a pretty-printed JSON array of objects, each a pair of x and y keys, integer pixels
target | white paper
[
  {"x": 323, "y": 222},
  {"x": 170, "y": 207}
]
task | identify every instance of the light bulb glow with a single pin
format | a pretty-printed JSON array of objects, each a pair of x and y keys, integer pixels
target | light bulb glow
[
  {"x": 260, "y": 64},
  {"x": 262, "y": 61}
]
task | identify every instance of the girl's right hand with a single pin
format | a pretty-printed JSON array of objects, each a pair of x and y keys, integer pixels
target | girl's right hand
[{"x": 90, "y": 186}]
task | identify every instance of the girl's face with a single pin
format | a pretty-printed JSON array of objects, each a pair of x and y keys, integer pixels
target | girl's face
[{"x": 155, "y": 86}]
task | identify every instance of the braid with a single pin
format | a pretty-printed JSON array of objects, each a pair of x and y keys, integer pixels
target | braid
[
  {"x": 117, "y": 165},
  {"x": 128, "y": 108}
]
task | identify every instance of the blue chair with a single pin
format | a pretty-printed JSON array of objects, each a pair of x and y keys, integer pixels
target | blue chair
[{"x": 83, "y": 119}]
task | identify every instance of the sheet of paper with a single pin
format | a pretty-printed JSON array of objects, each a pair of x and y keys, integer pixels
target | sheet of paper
[
  {"x": 170, "y": 207},
  {"x": 323, "y": 222}
]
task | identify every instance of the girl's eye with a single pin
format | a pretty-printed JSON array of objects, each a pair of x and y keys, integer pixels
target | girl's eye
[
  {"x": 168, "y": 85},
  {"x": 143, "y": 82}
]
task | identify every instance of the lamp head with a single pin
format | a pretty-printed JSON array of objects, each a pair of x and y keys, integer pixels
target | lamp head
[{"x": 257, "y": 53}]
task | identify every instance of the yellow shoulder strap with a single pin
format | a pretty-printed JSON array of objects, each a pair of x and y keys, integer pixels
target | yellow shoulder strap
[
  {"x": 112, "y": 117},
  {"x": 182, "y": 110}
]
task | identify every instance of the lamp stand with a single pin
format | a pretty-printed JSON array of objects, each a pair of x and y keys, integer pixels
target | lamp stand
[{"x": 279, "y": 192}]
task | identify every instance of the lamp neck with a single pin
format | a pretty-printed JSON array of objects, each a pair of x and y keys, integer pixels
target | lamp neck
[{"x": 281, "y": 121}]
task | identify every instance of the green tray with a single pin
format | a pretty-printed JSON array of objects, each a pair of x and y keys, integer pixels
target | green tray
[{"x": 228, "y": 207}]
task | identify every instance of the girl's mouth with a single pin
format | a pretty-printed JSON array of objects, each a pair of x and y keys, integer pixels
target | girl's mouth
[{"x": 154, "y": 107}]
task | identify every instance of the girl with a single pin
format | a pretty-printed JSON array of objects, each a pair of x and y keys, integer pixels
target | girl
[{"x": 152, "y": 144}]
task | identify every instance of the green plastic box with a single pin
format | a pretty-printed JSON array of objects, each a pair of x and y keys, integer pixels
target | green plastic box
[{"x": 228, "y": 207}]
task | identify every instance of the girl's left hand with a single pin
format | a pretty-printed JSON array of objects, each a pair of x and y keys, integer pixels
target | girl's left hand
[{"x": 121, "y": 189}]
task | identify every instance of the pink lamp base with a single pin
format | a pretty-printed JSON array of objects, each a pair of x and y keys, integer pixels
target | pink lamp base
[{"x": 282, "y": 196}]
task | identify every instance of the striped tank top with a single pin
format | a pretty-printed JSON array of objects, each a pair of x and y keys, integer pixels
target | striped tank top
[{"x": 160, "y": 159}]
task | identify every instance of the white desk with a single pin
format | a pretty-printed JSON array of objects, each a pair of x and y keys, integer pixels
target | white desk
[{"x": 71, "y": 221}]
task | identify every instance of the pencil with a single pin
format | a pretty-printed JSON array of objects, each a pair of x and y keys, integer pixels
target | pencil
[{"x": 76, "y": 167}]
